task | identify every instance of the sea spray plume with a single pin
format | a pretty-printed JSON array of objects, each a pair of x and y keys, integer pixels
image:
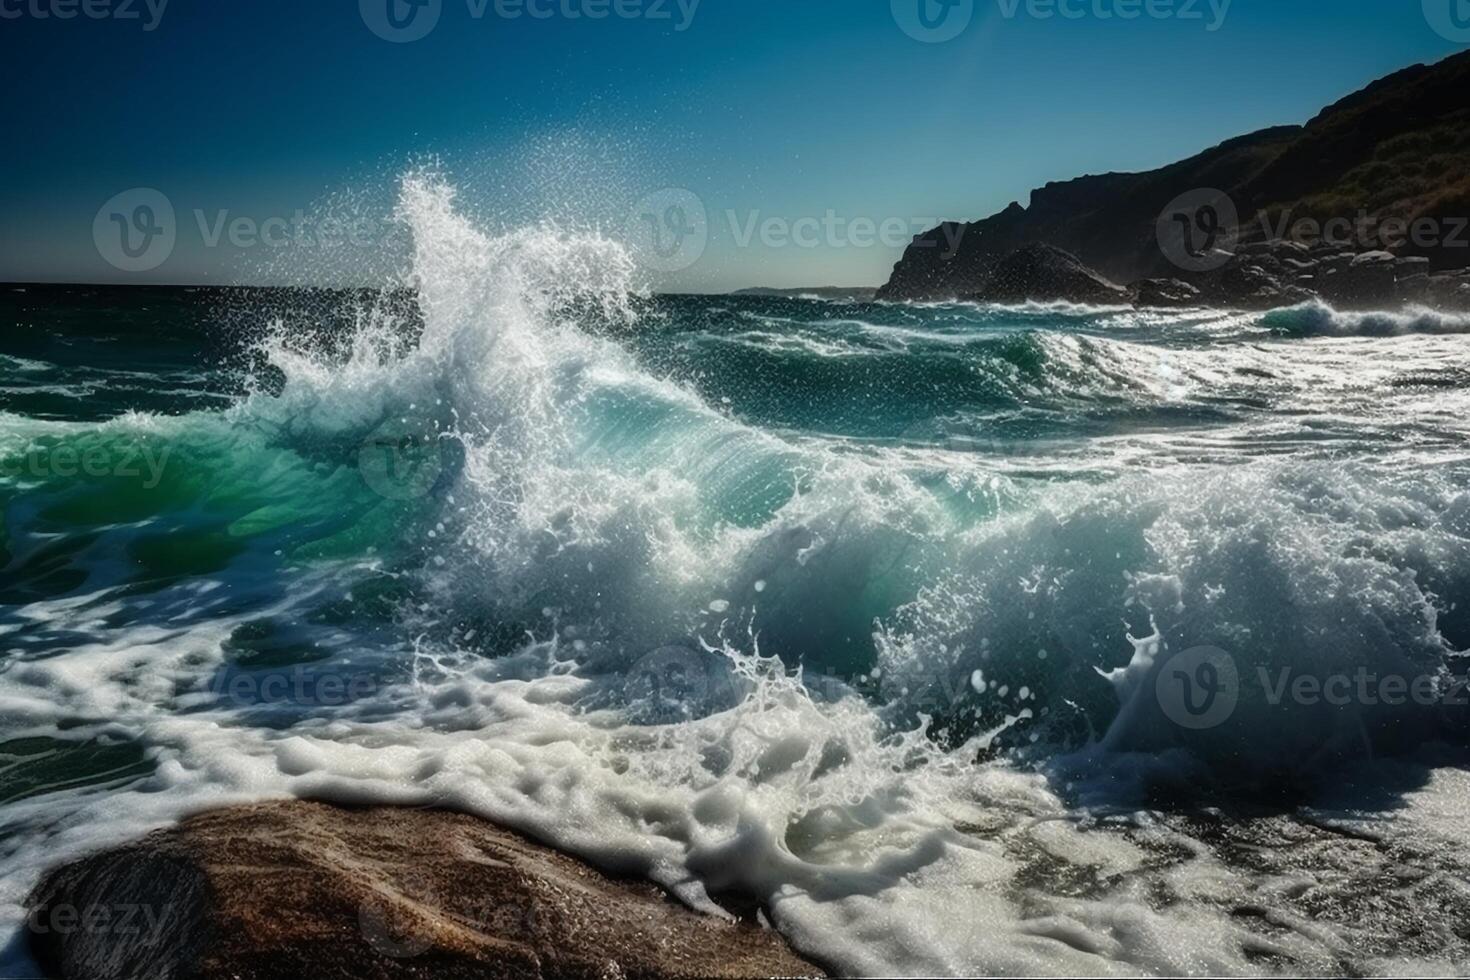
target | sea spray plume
[
  {"x": 491, "y": 308},
  {"x": 519, "y": 371},
  {"x": 476, "y": 295}
]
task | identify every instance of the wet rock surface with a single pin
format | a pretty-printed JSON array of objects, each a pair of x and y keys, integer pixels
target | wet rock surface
[
  {"x": 1044, "y": 274},
  {"x": 306, "y": 889}
]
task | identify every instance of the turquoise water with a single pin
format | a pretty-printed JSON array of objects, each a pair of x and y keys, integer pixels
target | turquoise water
[{"x": 778, "y": 596}]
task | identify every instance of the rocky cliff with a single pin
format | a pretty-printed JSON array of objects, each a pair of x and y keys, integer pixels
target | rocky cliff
[{"x": 1399, "y": 150}]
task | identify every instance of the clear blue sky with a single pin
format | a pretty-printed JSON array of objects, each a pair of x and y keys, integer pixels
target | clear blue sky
[{"x": 770, "y": 109}]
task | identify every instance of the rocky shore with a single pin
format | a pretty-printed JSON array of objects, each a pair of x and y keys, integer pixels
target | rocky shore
[
  {"x": 309, "y": 890},
  {"x": 1266, "y": 275},
  {"x": 1260, "y": 276}
]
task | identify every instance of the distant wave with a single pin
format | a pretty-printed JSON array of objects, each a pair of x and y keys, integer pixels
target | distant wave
[
  {"x": 1059, "y": 306},
  {"x": 1320, "y": 320}
]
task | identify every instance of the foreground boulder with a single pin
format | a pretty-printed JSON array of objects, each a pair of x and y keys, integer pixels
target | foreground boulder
[
  {"x": 1044, "y": 274},
  {"x": 305, "y": 889}
]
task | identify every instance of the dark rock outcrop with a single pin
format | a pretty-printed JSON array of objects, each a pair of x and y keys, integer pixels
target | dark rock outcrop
[
  {"x": 308, "y": 890},
  {"x": 1107, "y": 221},
  {"x": 1046, "y": 274},
  {"x": 1165, "y": 293},
  {"x": 1445, "y": 291},
  {"x": 1364, "y": 155},
  {"x": 1367, "y": 280},
  {"x": 1262, "y": 276}
]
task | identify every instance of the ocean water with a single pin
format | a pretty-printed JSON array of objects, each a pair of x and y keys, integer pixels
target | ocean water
[{"x": 859, "y": 614}]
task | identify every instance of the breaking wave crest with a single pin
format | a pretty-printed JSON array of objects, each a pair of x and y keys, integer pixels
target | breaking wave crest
[{"x": 1320, "y": 320}]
